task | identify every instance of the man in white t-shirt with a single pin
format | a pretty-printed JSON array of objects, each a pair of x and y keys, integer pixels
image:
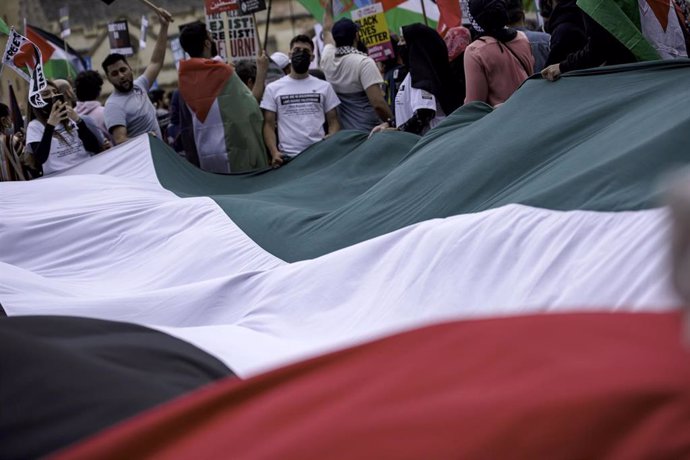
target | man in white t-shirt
[
  {"x": 354, "y": 75},
  {"x": 300, "y": 104}
]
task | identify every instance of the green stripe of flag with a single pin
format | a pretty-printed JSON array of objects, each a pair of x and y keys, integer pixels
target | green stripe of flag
[
  {"x": 606, "y": 156},
  {"x": 4, "y": 28},
  {"x": 621, "y": 18}
]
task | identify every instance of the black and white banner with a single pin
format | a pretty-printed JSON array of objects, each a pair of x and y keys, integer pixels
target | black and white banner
[{"x": 24, "y": 57}]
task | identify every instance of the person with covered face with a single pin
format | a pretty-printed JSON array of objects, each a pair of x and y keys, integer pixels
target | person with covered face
[
  {"x": 128, "y": 110},
  {"x": 300, "y": 104},
  {"x": 500, "y": 59},
  {"x": 428, "y": 93},
  {"x": 57, "y": 136}
]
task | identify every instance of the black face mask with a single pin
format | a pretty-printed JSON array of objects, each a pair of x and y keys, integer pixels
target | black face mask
[
  {"x": 50, "y": 101},
  {"x": 300, "y": 61}
]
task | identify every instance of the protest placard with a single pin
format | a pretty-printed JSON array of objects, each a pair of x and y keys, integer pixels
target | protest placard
[
  {"x": 177, "y": 51},
  {"x": 65, "y": 30},
  {"x": 144, "y": 31},
  {"x": 235, "y": 35},
  {"x": 252, "y": 6},
  {"x": 373, "y": 31},
  {"x": 118, "y": 36},
  {"x": 220, "y": 6}
]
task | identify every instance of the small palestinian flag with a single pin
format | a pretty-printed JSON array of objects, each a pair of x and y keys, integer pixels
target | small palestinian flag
[{"x": 59, "y": 61}]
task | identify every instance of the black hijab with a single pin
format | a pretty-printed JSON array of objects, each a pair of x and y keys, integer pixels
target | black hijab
[
  {"x": 429, "y": 67},
  {"x": 492, "y": 17}
]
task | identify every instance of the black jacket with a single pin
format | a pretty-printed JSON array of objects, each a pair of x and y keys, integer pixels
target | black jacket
[{"x": 567, "y": 28}]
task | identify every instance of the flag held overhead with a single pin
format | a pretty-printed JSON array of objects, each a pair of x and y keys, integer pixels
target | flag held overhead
[{"x": 24, "y": 57}]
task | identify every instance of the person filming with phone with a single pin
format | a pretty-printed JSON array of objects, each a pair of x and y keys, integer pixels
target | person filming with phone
[{"x": 57, "y": 136}]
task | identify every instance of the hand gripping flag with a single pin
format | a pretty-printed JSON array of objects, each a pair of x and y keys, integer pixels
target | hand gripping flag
[{"x": 24, "y": 57}]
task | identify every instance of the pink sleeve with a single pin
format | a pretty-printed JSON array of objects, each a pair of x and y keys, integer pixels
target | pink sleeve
[{"x": 476, "y": 86}]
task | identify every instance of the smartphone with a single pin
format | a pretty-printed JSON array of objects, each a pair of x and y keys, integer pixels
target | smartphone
[{"x": 59, "y": 97}]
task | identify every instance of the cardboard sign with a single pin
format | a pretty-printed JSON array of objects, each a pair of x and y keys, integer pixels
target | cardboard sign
[
  {"x": 65, "y": 30},
  {"x": 235, "y": 35},
  {"x": 373, "y": 31},
  {"x": 118, "y": 36},
  {"x": 220, "y": 6},
  {"x": 177, "y": 51},
  {"x": 252, "y": 6},
  {"x": 144, "y": 31}
]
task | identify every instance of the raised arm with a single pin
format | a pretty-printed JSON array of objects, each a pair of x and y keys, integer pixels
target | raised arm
[
  {"x": 158, "y": 56},
  {"x": 260, "y": 80},
  {"x": 327, "y": 23}
]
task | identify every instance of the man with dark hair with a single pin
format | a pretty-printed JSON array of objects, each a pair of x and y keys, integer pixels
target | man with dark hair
[
  {"x": 539, "y": 41},
  {"x": 220, "y": 117},
  {"x": 353, "y": 74},
  {"x": 88, "y": 86},
  {"x": 300, "y": 104},
  {"x": 128, "y": 110}
]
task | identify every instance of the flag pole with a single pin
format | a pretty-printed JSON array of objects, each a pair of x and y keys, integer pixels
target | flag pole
[
  {"x": 258, "y": 35},
  {"x": 426, "y": 20},
  {"x": 149, "y": 4},
  {"x": 69, "y": 74},
  {"x": 268, "y": 20},
  {"x": 157, "y": 9},
  {"x": 226, "y": 27}
]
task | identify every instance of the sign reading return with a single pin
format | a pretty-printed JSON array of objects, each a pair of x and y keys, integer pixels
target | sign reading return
[
  {"x": 373, "y": 31},
  {"x": 237, "y": 32}
]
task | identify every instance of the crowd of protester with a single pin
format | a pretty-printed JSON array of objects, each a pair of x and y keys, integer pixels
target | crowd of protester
[{"x": 248, "y": 115}]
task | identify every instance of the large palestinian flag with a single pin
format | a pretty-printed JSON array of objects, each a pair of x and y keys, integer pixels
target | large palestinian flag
[
  {"x": 547, "y": 204},
  {"x": 59, "y": 60}
]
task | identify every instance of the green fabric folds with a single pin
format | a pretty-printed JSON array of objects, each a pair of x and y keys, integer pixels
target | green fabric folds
[{"x": 594, "y": 140}]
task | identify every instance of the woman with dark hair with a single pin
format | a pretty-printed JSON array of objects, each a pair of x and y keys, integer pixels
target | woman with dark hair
[
  {"x": 87, "y": 87},
  {"x": 500, "y": 59},
  {"x": 428, "y": 93},
  {"x": 57, "y": 136}
]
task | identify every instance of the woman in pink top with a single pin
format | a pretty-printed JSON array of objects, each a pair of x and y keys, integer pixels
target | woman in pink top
[{"x": 499, "y": 60}]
